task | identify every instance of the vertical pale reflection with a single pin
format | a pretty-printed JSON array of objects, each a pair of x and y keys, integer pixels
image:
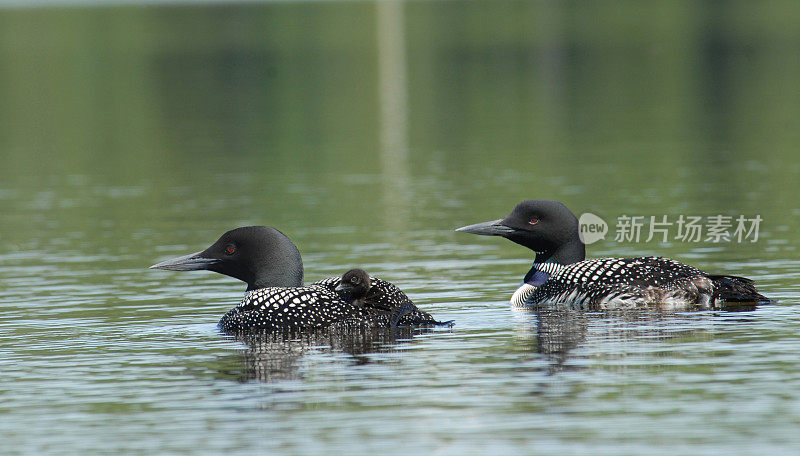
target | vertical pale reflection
[
  {"x": 551, "y": 84},
  {"x": 390, "y": 25}
]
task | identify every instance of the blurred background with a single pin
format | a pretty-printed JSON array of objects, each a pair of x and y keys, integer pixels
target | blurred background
[{"x": 367, "y": 131}]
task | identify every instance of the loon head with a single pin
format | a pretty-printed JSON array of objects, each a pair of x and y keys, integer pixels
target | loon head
[
  {"x": 260, "y": 256},
  {"x": 545, "y": 226},
  {"x": 354, "y": 285}
]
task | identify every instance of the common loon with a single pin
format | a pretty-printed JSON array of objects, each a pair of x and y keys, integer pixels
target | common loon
[
  {"x": 562, "y": 276},
  {"x": 379, "y": 296},
  {"x": 276, "y": 298}
]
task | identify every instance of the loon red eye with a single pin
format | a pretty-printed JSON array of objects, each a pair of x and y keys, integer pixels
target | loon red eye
[
  {"x": 534, "y": 221},
  {"x": 230, "y": 250}
]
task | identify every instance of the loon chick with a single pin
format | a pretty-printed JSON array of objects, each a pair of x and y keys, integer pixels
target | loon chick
[
  {"x": 561, "y": 274},
  {"x": 271, "y": 265},
  {"x": 379, "y": 296},
  {"x": 353, "y": 287}
]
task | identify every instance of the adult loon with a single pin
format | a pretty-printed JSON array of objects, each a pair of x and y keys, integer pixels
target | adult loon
[
  {"x": 562, "y": 276},
  {"x": 379, "y": 296},
  {"x": 276, "y": 298}
]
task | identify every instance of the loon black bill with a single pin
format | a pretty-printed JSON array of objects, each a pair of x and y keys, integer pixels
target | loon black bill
[
  {"x": 191, "y": 262},
  {"x": 492, "y": 228}
]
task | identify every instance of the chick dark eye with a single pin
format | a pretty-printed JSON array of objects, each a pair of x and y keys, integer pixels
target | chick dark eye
[
  {"x": 534, "y": 221},
  {"x": 354, "y": 279},
  {"x": 230, "y": 250}
]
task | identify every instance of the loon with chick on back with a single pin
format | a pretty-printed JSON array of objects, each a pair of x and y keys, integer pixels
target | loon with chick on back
[
  {"x": 562, "y": 276},
  {"x": 276, "y": 298},
  {"x": 358, "y": 288}
]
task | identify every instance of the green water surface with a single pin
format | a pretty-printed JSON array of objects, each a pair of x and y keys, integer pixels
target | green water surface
[{"x": 367, "y": 132}]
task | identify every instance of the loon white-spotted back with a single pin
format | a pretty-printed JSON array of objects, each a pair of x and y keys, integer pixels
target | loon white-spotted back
[
  {"x": 289, "y": 308},
  {"x": 561, "y": 276}
]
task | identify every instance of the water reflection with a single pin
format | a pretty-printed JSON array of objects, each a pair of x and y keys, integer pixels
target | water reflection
[
  {"x": 561, "y": 334},
  {"x": 558, "y": 332},
  {"x": 393, "y": 102},
  {"x": 271, "y": 357}
]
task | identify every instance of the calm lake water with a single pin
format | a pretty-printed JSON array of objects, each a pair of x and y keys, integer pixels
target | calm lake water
[{"x": 367, "y": 132}]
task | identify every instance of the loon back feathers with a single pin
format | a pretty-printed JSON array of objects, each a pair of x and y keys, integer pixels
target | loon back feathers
[
  {"x": 562, "y": 276},
  {"x": 614, "y": 283},
  {"x": 319, "y": 305},
  {"x": 382, "y": 299},
  {"x": 289, "y": 308}
]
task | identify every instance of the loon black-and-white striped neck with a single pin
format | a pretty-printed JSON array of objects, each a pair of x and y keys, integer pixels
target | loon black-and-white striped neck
[
  {"x": 548, "y": 267},
  {"x": 539, "y": 274}
]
